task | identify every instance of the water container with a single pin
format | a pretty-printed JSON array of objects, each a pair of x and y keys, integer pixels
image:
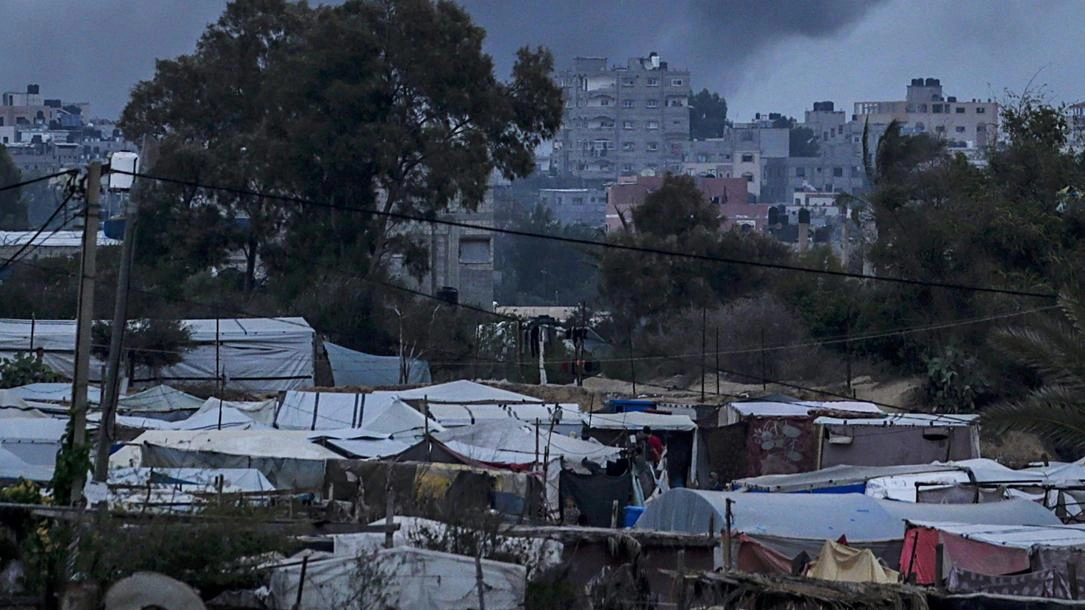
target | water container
[{"x": 631, "y": 514}]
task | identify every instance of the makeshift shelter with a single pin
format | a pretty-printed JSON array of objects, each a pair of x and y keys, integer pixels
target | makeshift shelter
[
  {"x": 463, "y": 391},
  {"x": 354, "y": 368},
  {"x": 678, "y": 432},
  {"x": 1007, "y": 559},
  {"x": 375, "y": 411},
  {"x": 847, "y": 564},
  {"x": 899, "y": 438},
  {"x": 841, "y": 478},
  {"x": 33, "y": 440},
  {"x": 160, "y": 401},
  {"x": 13, "y": 468},
  {"x": 52, "y": 392},
  {"x": 286, "y": 458},
  {"x": 856, "y": 516},
  {"x": 400, "y": 577},
  {"x": 435, "y": 490},
  {"x": 228, "y": 480},
  {"x": 246, "y": 354}
]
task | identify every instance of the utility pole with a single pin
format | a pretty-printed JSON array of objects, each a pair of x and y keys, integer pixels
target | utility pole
[
  {"x": 84, "y": 321},
  {"x": 542, "y": 354},
  {"x": 704, "y": 348}
]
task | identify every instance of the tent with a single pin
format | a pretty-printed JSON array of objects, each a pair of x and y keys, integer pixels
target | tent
[
  {"x": 353, "y": 368},
  {"x": 361, "y": 443},
  {"x": 841, "y": 478},
  {"x": 635, "y": 421},
  {"x": 375, "y": 411},
  {"x": 565, "y": 416},
  {"x": 53, "y": 392},
  {"x": 245, "y": 480},
  {"x": 464, "y": 391},
  {"x": 737, "y": 411},
  {"x": 286, "y": 458},
  {"x": 160, "y": 399},
  {"x": 856, "y": 516},
  {"x": 34, "y": 440},
  {"x": 13, "y": 468},
  {"x": 513, "y": 443},
  {"x": 253, "y": 354},
  {"x": 899, "y": 438},
  {"x": 400, "y": 577}
]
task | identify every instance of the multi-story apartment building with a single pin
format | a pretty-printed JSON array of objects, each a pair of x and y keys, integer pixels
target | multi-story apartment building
[
  {"x": 925, "y": 109},
  {"x": 582, "y": 205},
  {"x": 622, "y": 121}
]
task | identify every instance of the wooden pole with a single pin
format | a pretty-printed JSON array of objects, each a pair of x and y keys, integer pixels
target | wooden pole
[
  {"x": 764, "y": 364},
  {"x": 87, "y": 275},
  {"x": 680, "y": 581},
  {"x": 479, "y": 581},
  {"x": 389, "y": 512},
  {"x": 728, "y": 525},
  {"x": 301, "y": 582},
  {"x": 704, "y": 348},
  {"x": 717, "y": 361}
]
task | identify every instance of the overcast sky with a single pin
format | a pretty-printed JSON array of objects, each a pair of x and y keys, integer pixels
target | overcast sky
[{"x": 770, "y": 55}]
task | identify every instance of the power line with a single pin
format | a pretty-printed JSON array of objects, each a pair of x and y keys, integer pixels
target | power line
[
  {"x": 30, "y": 245},
  {"x": 597, "y": 244},
  {"x": 67, "y": 172}
]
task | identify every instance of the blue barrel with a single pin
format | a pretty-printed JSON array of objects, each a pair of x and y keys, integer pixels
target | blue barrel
[{"x": 631, "y": 514}]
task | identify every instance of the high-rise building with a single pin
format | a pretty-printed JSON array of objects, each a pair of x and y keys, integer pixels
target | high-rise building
[{"x": 622, "y": 121}]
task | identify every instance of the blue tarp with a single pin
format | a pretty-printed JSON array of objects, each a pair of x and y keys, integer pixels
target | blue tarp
[{"x": 353, "y": 368}]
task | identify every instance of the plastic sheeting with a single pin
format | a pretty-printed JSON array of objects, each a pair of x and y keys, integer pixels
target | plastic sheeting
[
  {"x": 515, "y": 443},
  {"x": 637, "y": 420},
  {"x": 203, "y": 479},
  {"x": 53, "y": 392},
  {"x": 846, "y": 564},
  {"x": 454, "y": 415},
  {"x": 464, "y": 391},
  {"x": 375, "y": 411},
  {"x": 353, "y": 368},
  {"x": 737, "y": 411},
  {"x": 836, "y": 477},
  {"x": 286, "y": 458},
  {"x": 13, "y": 468},
  {"x": 255, "y": 354},
  {"x": 400, "y": 577},
  {"x": 855, "y": 516},
  {"x": 158, "y": 399}
]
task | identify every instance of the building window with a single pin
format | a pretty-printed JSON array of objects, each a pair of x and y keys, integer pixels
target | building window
[
  {"x": 578, "y": 201},
  {"x": 677, "y": 82},
  {"x": 747, "y": 158},
  {"x": 800, "y": 172},
  {"x": 627, "y": 103},
  {"x": 748, "y": 176},
  {"x": 629, "y": 82},
  {"x": 980, "y": 110},
  {"x": 652, "y": 103},
  {"x": 628, "y": 146},
  {"x": 959, "y": 129},
  {"x": 475, "y": 250},
  {"x": 940, "y": 129},
  {"x": 652, "y": 82},
  {"x": 627, "y": 168},
  {"x": 627, "y": 124},
  {"x": 838, "y": 172},
  {"x": 652, "y": 147},
  {"x": 960, "y": 109},
  {"x": 676, "y": 102},
  {"x": 653, "y": 124},
  {"x": 604, "y": 101}
]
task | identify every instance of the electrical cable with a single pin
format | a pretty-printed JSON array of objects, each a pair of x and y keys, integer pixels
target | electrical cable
[
  {"x": 67, "y": 172},
  {"x": 598, "y": 244},
  {"x": 30, "y": 245}
]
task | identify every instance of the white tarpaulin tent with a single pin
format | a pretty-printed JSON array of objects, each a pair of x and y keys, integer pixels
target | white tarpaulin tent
[
  {"x": 52, "y": 392},
  {"x": 637, "y": 420},
  {"x": 515, "y": 443},
  {"x": 454, "y": 415},
  {"x": 464, "y": 391},
  {"x": 287, "y": 458},
  {"x": 822, "y": 516},
  {"x": 354, "y": 368},
  {"x": 400, "y": 577},
  {"x": 13, "y": 468},
  {"x": 375, "y": 411},
  {"x": 737, "y": 411},
  {"x": 158, "y": 399},
  {"x": 254, "y": 354},
  {"x": 34, "y": 440},
  {"x": 194, "y": 479}
]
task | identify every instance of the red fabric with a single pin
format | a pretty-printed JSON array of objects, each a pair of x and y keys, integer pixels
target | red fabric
[
  {"x": 756, "y": 558},
  {"x": 983, "y": 558},
  {"x": 843, "y": 539},
  {"x": 656, "y": 445},
  {"x": 917, "y": 556}
]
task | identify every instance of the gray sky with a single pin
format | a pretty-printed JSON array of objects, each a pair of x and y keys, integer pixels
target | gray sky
[{"x": 770, "y": 55}]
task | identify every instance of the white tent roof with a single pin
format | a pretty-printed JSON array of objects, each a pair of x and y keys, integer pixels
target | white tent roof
[
  {"x": 1016, "y": 536},
  {"x": 159, "y": 398},
  {"x": 826, "y": 516},
  {"x": 415, "y": 578},
  {"x": 12, "y": 467},
  {"x": 464, "y": 391},
  {"x": 736, "y": 411},
  {"x": 637, "y": 420},
  {"x": 511, "y": 442},
  {"x": 52, "y": 392},
  {"x": 452, "y": 415},
  {"x": 32, "y": 429},
  {"x": 262, "y": 411},
  {"x": 375, "y": 411},
  {"x": 253, "y": 443},
  {"x": 914, "y": 420},
  {"x": 234, "y": 479}
]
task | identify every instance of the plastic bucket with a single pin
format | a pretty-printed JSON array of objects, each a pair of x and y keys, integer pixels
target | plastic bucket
[{"x": 631, "y": 514}]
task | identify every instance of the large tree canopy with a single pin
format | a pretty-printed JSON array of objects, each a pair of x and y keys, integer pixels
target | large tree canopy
[
  {"x": 707, "y": 115},
  {"x": 344, "y": 105}
]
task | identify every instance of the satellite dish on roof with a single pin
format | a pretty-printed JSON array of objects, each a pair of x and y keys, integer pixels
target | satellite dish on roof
[{"x": 151, "y": 590}]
